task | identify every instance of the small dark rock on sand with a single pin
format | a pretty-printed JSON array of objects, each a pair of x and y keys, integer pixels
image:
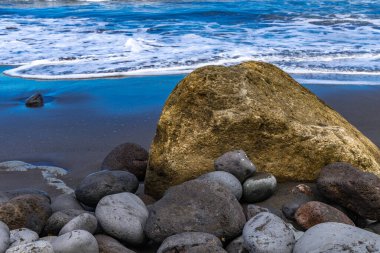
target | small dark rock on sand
[{"x": 36, "y": 100}]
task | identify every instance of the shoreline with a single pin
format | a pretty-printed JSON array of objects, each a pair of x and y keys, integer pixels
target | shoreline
[{"x": 83, "y": 120}]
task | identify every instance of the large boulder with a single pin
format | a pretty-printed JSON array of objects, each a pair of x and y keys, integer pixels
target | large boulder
[
  {"x": 196, "y": 206},
  {"x": 351, "y": 188},
  {"x": 284, "y": 128}
]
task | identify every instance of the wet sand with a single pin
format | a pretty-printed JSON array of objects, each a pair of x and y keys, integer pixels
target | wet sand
[{"x": 83, "y": 120}]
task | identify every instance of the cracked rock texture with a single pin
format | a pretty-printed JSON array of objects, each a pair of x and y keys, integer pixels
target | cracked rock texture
[{"x": 283, "y": 127}]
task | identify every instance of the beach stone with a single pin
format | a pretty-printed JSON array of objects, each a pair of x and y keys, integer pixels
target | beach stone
[
  {"x": 256, "y": 107},
  {"x": 196, "y": 206},
  {"x": 259, "y": 187},
  {"x": 59, "y": 219},
  {"x": 65, "y": 201},
  {"x": 4, "y": 237},
  {"x": 236, "y": 246},
  {"x": 315, "y": 212},
  {"x": 298, "y": 196},
  {"x": 225, "y": 179},
  {"x": 337, "y": 237},
  {"x": 74, "y": 242},
  {"x": 185, "y": 241},
  {"x": 351, "y": 188},
  {"x": 237, "y": 163},
  {"x": 36, "y": 100},
  {"x": 123, "y": 216},
  {"x": 84, "y": 221},
  {"x": 267, "y": 232},
  {"x": 108, "y": 244},
  {"x": 22, "y": 236},
  {"x": 32, "y": 247},
  {"x": 129, "y": 157},
  {"x": 99, "y": 184},
  {"x": 26, "y": 211},
  {"x": 253, "y": 210}
]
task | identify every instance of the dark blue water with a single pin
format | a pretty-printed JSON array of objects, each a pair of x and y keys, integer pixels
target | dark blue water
[{"x": 317, "y": 41}]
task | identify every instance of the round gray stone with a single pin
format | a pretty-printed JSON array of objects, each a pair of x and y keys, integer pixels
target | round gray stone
[
  {"x": 337, "y": 237},
  {"x": 32, "y": 247},
  {"x": 266, "y": 233},
  {"x": 59, "y": 219},
  {"x": 74, "y": 242},
  {"x": 100, "y": 184},
  {"x": 22, "y": 236},
  {"x": 225, "y": 179},
  {"x": 237, "y": 163},
  {"x": 123, "y": 216},
  {"x": 64, "y": 202},
  {"x": 84, "y": 221},
  {"x": 195, "y": 206},
  {"x": 187, "y": 240},
  {"x": 4, "y": 237},
  {"x": 259, "y": 187}
]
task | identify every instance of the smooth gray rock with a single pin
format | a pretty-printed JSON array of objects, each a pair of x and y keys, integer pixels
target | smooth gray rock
[
  {"x": 225, "y": 179},
  {"x": 59, "y": 219},
  {"x": 267, "y": 233},
  {"x": 123, "y": 216},
  {"x": 237, "y": 163},
  {"x": 259, "y": 187},
  {"x": 84, "y": 221},
  {"x": 100, "y": 184},
  {"x": 187, "y": 240},
  {"x": 128, "y": 157},
  {"x": 74, "y": 242},
  {"x": 4, "y": 237},
  {"x": 108, "y": 244},
  {"x": 337, "y": 237},
  {"x": 195, "y": 206},
  {"x": 64, "y": 202},
  {"x": 205, "y": 249},
  {"x": 236, "y": 246},
  {"x": 22, "y": 236},
  {"x": 32, "y": 247}
]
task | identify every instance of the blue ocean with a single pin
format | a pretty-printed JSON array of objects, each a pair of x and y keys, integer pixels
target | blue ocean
[{"x": 316, "y": 41}]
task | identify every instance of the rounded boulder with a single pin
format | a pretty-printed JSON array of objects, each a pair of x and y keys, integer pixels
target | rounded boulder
[
  {"x": 259, "y": 187},
  {"x": 225, "y": 179}
]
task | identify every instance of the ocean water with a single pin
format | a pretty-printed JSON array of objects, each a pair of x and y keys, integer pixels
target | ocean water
[{"x": 317, "y": 41}]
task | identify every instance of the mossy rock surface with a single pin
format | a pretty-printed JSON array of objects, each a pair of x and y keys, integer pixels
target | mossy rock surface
[{"x": 254, "y": 106}]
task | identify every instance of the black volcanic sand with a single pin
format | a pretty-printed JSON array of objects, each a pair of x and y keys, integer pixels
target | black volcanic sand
[{"x": 84, "y": 120}]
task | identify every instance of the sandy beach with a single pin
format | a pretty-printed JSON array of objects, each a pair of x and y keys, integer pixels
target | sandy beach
[{"x": 83, "y": 121}]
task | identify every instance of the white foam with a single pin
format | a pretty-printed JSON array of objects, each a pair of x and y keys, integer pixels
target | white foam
[
  {"x": 49, "y": 173},
  {"x": 77, "y": 48}
]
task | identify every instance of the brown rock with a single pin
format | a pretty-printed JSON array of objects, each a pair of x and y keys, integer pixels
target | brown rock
[
  {"x": 26, "y": 211},
  {"x": 314, "y": 212},
  {"x": 284, "y": 128},
  {"x": 351, "y": 188},
  {"x": 127, "y": 156},
  {"x": 108, "y": 244}
]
